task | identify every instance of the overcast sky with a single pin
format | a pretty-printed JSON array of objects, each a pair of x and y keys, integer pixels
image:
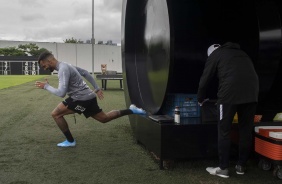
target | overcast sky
[{"x": 58, "y": 20}]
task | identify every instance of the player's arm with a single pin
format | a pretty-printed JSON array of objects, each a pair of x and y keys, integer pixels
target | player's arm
[
  {"x": 89, "y": 78},
  {"x": 61, "y": 91}
]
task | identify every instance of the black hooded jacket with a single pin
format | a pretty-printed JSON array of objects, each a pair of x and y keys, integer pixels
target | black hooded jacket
[{"x": 238, "y": 80}]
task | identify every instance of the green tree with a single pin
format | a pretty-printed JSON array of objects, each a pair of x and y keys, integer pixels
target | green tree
[
  {"x": 37, "y": 52},
  {"x": 30, "y": 49},
  {"x": 72, "y": 40},
  {"x": 11, "y": 51}
]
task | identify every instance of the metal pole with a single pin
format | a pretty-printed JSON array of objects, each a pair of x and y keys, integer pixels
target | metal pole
[
  {"x": 92, "y": 40},
  {"x": 75, "y": 54}
]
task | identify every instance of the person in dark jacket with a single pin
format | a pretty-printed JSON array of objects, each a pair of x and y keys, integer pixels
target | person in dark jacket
[{"x": 237, "y": 92}]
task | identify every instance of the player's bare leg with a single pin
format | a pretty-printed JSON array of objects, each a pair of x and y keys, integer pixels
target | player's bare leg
[
  {"x": 58, "y": 115},
  {"x": 106, "y": 117}
]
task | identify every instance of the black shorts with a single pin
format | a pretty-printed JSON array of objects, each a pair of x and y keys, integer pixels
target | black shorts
[{"x": 88, "y": 107}]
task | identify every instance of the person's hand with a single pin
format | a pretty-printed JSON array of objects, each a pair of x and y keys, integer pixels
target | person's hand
[
  {"x": 40, "y": 84},
  {"x": 100, "y": 94},
  {"x": 201, "y": 102}
]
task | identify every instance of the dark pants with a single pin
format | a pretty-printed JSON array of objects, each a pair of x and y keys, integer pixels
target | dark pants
[{"x": 226, "y": 114}]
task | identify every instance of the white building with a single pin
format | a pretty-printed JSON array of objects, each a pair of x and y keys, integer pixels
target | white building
[{"x": 79, "y": 54}]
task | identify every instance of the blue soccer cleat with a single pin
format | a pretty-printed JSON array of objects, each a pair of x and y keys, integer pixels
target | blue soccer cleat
[
  {"x": 137, "y": 110},
  {"x": 66, "y": 143}
]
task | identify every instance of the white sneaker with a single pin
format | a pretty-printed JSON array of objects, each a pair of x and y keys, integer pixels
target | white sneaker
[
  {"x": 219, "y": 172},
  {"x": 136, "y": 110},
  {"x": 66, "y": 143}
]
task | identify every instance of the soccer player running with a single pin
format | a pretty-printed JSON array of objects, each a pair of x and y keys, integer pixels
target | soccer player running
[{"x": 81, "y": 99}]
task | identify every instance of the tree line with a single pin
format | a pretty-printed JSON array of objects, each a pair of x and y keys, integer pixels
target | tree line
[{"x": 30, "y": 49}]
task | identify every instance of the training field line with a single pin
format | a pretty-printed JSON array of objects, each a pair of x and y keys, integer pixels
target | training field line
[{"x": 14, "y": 80}]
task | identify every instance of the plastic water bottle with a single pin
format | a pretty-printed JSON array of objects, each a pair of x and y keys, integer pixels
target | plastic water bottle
[{"x": 177, "y": 115}]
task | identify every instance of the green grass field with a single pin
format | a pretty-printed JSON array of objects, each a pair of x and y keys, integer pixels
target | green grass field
[
  {"x": 13, "y": 80},
  {"x": 105, "y": 153}
]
